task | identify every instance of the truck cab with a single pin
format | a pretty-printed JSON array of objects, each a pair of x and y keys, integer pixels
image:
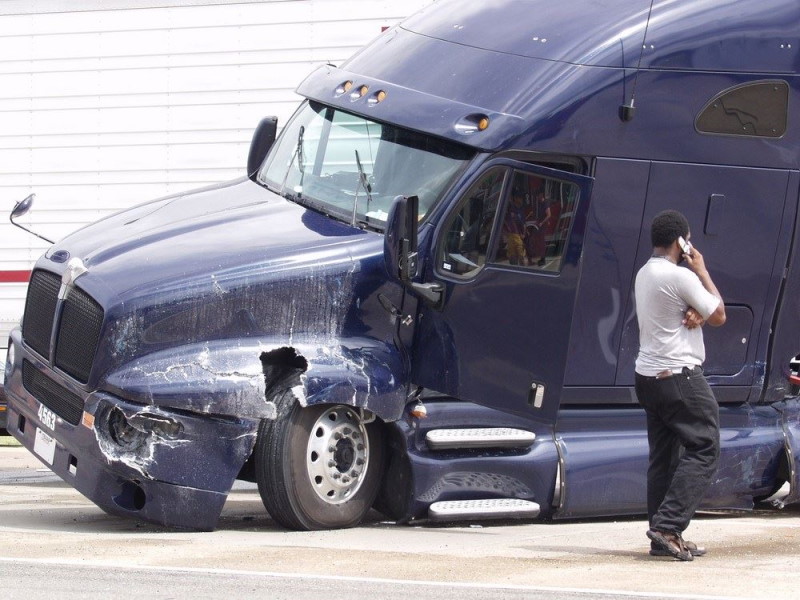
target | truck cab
[{"x": 419, "y": 298}]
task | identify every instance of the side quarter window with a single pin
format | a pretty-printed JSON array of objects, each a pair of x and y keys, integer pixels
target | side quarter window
[
  {"x": 758, "y": 108},
  {"x": 536, "y": 221},
  {"x": 468, "y": 230}
]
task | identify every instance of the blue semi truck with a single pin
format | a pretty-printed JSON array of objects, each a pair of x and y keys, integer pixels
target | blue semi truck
[{"x": 419, "y": 298}]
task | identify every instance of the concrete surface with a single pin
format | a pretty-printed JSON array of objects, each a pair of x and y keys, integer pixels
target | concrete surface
[{"x": 45, "y": 522}]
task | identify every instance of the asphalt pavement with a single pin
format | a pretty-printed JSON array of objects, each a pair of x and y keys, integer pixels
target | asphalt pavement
[{"x": 57, "y": 544}]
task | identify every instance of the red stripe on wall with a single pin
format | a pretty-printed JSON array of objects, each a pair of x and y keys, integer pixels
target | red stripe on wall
[{"x": 15, "y": 276}]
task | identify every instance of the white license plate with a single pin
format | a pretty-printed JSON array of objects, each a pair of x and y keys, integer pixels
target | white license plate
[{"x": 45, "y": 446}]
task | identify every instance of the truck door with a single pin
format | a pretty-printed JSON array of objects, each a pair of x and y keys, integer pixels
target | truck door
[{"x": 508, "y": 256}]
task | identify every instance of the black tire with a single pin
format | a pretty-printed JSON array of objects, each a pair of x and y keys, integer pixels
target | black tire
[{"x": 318, "y": 467}]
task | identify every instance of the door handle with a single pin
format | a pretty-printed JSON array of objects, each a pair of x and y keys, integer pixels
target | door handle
[{"x": 536, "y": 395}]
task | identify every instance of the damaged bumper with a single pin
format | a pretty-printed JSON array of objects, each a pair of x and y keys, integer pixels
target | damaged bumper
[{"x": 157, "y": 464}]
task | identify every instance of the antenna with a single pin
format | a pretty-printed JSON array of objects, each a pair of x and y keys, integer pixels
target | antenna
[{"x": 627, "y": 109}]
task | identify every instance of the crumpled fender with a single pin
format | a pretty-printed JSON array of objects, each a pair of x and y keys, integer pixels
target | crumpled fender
[
  {"x": 360, "y": 372},
  {"x": 224, "y": 377},
  {"x": 228, "y": 377}
]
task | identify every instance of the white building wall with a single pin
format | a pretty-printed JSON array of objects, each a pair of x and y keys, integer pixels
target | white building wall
[{"x": 108, "y": 103}]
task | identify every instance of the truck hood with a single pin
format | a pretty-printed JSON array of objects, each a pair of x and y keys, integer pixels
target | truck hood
[
  {"x": 189, "y": 238},
  {"x": 195, "y": 298},
  {"x": 231, "y": 262}
]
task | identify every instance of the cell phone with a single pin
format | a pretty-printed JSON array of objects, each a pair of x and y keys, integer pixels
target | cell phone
[{"x": 686, "y": 247}]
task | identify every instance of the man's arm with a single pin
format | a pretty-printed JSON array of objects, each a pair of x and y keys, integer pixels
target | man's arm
[
  {"x": 698, "y": 266},
  {"x": 692, "y": 319}
]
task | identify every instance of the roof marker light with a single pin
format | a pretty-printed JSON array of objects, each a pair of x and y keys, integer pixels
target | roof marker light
[
  {"x": 377, "y": 97},
  {"x": 344, "y": 87},
  {"x": 359, "y": 93},
  {"x": 472, "y": 124}
]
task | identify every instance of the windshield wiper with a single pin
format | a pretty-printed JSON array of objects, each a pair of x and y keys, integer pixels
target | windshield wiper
[
  {"x": 362, "y": 181},
  {"x": 301, "y": 158}
]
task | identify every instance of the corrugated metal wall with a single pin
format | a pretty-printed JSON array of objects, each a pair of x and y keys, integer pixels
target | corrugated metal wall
[{"x": 107, "y": 104}]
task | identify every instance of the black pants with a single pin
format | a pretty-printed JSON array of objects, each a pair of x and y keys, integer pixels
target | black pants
[{"x": 683, "y": 434}]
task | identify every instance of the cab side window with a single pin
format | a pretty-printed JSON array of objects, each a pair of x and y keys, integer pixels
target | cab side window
[
  {"x": 469, "y": 228},
  {"x": 535, "y": 222}
]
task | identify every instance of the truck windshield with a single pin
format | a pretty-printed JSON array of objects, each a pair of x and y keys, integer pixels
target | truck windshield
[{"x": 352, "y": 168}]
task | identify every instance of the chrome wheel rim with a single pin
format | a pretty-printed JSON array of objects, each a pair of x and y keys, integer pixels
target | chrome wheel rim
[{"x": 338, "y": 454}]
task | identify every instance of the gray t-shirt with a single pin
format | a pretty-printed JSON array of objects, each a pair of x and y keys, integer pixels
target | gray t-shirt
[{"x": 664, "y": 291}]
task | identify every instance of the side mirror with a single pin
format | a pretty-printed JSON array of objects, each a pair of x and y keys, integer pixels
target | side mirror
[
  {"x": 400, "y": 242},
  {"x": 400, "y": 247},
  {"x": 263, "y": 138},
  {"x": 20, "y": 208}
]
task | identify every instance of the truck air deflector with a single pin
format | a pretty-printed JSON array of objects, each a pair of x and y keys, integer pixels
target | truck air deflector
[
  {"x": 700, "y": 35},
  {"x": 607, "y": 34}
]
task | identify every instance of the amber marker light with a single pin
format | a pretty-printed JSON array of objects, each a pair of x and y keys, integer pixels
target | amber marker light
[
  {"x": 360, "y": 92},
  {"x": 87, "y": 420},
  {"x": 472, "y": 124},
  {"x": 377, "y": 97},
  {"x": 344, "y": 87}
]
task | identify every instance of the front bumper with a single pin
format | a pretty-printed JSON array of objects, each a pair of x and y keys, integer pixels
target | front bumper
[{"x": 169, "y": 467}]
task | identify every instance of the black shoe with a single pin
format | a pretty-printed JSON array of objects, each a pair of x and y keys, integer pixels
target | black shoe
[
  {"x": 693, "y": 548},
  {"x": 671, "y": 544}
]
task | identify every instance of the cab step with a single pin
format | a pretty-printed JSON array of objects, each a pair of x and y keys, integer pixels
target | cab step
[
  {"x": 484, "y": 437},
  {"x": 496, "y": 508}
]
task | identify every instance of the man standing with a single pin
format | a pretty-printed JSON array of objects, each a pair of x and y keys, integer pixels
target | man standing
[{"x": 672, "y": 303}]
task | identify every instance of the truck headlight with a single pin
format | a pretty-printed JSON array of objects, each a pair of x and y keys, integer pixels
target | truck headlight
[{"x": 11, "y": 356}]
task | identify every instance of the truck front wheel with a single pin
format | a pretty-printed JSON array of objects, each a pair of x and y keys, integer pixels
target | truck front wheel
[{"x": 318, "y": 467}]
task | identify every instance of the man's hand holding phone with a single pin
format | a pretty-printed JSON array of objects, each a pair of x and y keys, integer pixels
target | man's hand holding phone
[{"x": 694, "y": 259}]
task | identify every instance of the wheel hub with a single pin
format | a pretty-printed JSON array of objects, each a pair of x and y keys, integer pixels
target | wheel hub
[
  {"x": 337, "y": 455},
  {"x": 345, "y": 455}
]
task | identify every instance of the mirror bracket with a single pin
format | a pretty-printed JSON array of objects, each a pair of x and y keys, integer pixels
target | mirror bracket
[
  {"x": 431, "y": 292},
  {"x": 21, "y": 208}
]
